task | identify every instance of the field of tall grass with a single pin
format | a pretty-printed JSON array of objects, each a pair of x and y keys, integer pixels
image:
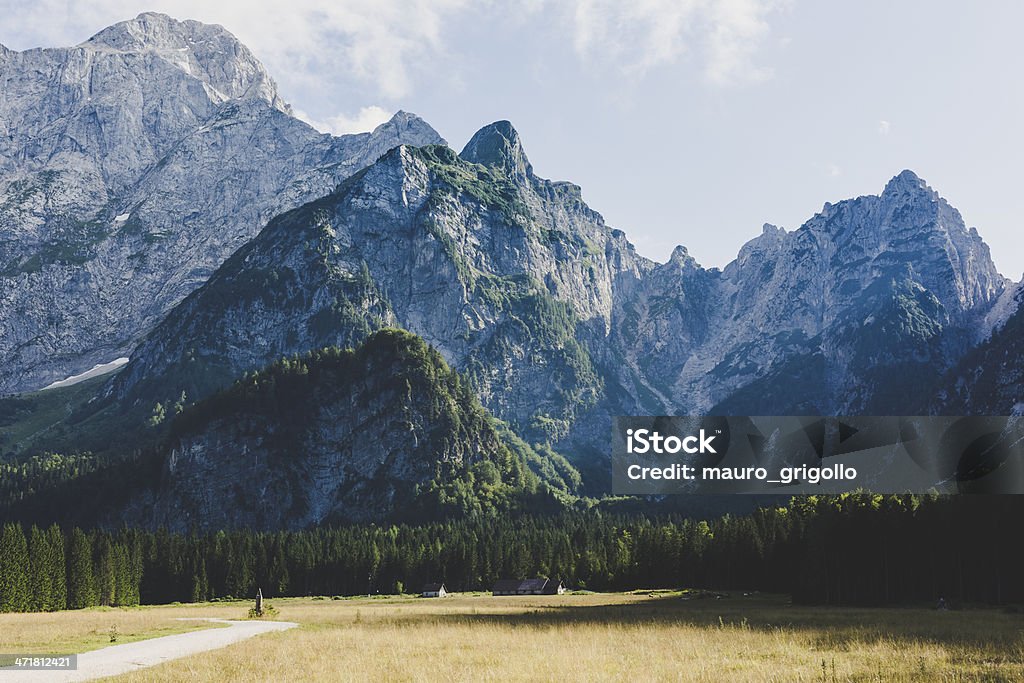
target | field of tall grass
[
  {"x": 657, "y": 635},
  {"x": 77, "y": 631}
]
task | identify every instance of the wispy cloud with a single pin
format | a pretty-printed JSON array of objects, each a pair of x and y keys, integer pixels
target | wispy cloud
[
  {"x": 724, "y": 35},
  {"x": 883, "y": 127},
  {"x": 365, "y": 120},
  {"x": 301, "y": 41},
  {"x": 737, "y": 29},
  {"x": 389, "y": 48}
]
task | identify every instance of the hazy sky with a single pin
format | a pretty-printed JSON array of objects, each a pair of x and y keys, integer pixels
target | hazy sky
[{"x": 686, "y": 122}]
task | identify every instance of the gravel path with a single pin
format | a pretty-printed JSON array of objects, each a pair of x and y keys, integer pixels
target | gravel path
[{"x": 119, "y": 659}]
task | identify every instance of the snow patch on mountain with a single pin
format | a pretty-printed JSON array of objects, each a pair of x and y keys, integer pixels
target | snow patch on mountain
[{"x": 95, "y": 371}]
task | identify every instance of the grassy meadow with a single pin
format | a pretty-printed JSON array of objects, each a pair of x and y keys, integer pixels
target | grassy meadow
[
  {"x": 658, "y": 635},
  {"x": 88, "y": 629}
]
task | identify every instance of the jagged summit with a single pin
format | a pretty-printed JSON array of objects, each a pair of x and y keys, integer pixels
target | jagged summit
[
  {"x": 402, "y": 115},
  {"x": 681, "y": 257},
  {"x": 208, "y": 52},
  {"x": 156, "y": 30},
  {"x": 907, "y": 182},
  {"x": 145, "y": 155},
  {"x": 907, "y": 203},
  {"x": 410, "y": 125},
  {"x": 498, "y": 145}
]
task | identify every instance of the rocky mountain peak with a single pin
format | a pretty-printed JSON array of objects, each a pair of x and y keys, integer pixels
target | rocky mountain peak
[
  {"x": 498, "y": 145},
  {"x": 906, "y": 181},
  {"x": 403, "y": 117},
  {"x": 907, "y": 206},
  {"x": 152, "y": 30},
  {"x": 407, "y": 125},
  {"x": 681, "y": 258},
  {"x": 908, "y": 223},
  {"x": 208, "y": 52},
  {"x": 145, "y": 155}
]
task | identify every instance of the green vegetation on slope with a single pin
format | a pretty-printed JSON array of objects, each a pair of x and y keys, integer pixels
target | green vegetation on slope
[
  {"x": 60, "y": 434},
  {"x": 472, "y": 463},
  {"x": 545, "y": 328},
  {"x": 474, "y": 470},
  {"x": 34, "y": 417},
  {"x": 484, "y": 185}
]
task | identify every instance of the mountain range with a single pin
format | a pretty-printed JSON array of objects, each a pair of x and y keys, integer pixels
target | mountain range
[
  {"x": 131, "y": 166},
  {"x": 160, "y": 202}
]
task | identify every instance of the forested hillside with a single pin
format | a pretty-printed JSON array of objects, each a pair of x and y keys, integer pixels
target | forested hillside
[{"x": 387, "y": 431}]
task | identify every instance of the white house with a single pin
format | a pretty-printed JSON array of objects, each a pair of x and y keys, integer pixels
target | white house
[{"x": 434, "y": 590}]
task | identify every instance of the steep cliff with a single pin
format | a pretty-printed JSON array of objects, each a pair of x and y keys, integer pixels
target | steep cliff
[
  {"x": 131, "y": 166},
  {"x": 989, "y": 379},
  {"x": 560, "y": 325},
  {"x": 506, "y": 274},
  {"x": 158, "y": 200},
  {"x": 841, "y": 316}
]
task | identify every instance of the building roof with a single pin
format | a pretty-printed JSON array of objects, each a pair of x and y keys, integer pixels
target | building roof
[
  {"x": 520, "y": 585},
  {"x": 433, "y": 587}
]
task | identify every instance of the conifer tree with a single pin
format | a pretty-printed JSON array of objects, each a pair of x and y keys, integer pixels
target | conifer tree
[
  {"x": 135, "y": 570},
  {"x": 40, "y": 571},
  {"x": 81, "y": 588},
  {"x": 105, "y": 571},
  {"x": 15, "y": 591},
  {"x": 58, "y": 569},
  {"x": 122, "y": 575}
]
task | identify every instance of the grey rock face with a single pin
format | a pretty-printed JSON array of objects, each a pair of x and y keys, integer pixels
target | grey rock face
[
  {"x": 133, "y": 165},
  {"x": 498, "y": 145},
  {"x": 556, "y": 320},
  {"x": 507, "y": 276},
  {"x": 989, "y": 379},
  {"x": 817, "y": 296},
  {"x": 138, "y": 162}
]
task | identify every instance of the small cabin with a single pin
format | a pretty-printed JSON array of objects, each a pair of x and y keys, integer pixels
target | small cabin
[
  {"x": 434, "y": 590},
  {"x": 528, "y": 587}
]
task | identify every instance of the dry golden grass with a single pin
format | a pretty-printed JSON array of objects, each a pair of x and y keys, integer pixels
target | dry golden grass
[
  {"x": 89, "y": 629},
  {"x": 615, "y": 637}
]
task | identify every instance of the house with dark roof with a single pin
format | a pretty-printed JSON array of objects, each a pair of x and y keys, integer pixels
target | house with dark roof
[
  {"x": 434, "y": 590},
  {"x": 528, "y": 587}
]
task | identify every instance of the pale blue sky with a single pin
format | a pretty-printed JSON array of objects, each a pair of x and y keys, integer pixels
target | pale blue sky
[{"x": 685, "y": 121}]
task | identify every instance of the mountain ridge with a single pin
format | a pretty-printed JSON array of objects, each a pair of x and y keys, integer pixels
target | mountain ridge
[
  {"x": 397, "y": 235},
  {"x": 226, "y": 235},
  {"x": 142, "y": 165},
  {"x": 527, "y": 293},
  {"x": 167, "y": 37},
  {"x": 559, "y": 323}
]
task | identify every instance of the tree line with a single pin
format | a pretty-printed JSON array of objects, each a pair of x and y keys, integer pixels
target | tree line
[
  {"x": 850, "y": 549},
  {"x": 47, "y": 569}
]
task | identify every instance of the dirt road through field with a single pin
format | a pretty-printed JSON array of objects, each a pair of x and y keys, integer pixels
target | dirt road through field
[{"x": 119, "y": 659}]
